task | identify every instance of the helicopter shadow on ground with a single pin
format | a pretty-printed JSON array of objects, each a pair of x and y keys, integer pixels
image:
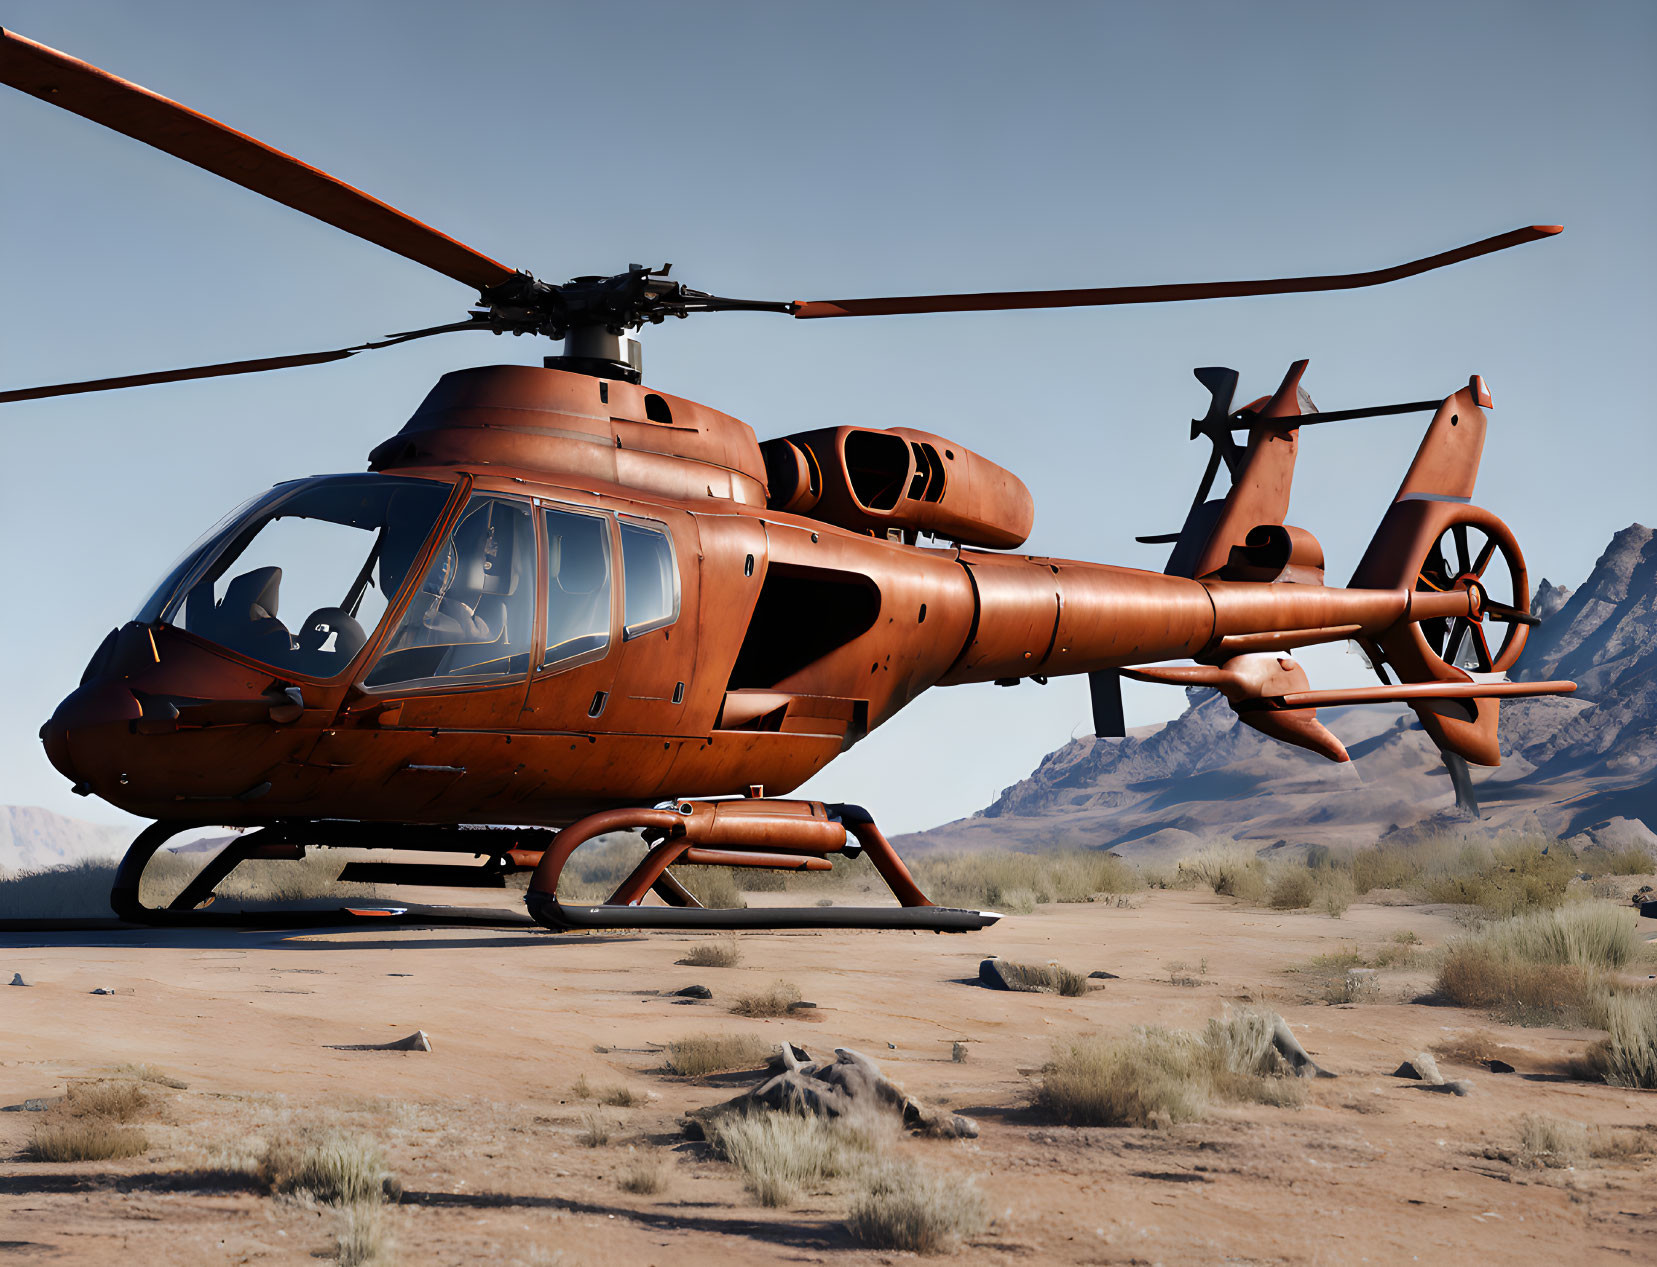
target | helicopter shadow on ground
[{"x": 343, "y": 938}]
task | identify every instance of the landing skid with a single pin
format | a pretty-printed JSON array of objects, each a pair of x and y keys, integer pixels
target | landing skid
[{"x": 778, "y": 835}]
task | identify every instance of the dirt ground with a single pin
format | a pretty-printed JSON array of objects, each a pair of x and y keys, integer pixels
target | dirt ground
[{"x": 483, "y": 1131}]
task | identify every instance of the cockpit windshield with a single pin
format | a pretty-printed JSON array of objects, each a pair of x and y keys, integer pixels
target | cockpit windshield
[{"x": 303, "y": 578}]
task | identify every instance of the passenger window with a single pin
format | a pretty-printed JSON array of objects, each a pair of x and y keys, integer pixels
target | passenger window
[
  {"x": 650, "y": 579},
  {"x": 473, "y": 616},
  {"x": 578, "y": 585}
]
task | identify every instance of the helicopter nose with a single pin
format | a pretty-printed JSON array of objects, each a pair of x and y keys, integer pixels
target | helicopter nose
[{"x": 100, "y": 703}]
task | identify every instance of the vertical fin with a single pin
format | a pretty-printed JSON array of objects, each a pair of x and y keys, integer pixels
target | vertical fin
[{"x": 1260, "y": 490}]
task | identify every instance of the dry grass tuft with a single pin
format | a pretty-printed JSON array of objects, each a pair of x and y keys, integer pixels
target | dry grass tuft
[
  {"x": 781, "y": 1153},
  {"x": 152, "y": 1075},
  {"x": 1552, "y": 1141},
  {"x": 910, "y": 1210},
  {"x": 1520, "y": 874},
  {"x": 1229, "y": 872},
  {"x": 1629, "y": 860},
  {"x": 714, "y": 887},
  {"x": 1558, "y": 1142},
  {"x": 1326, "y": 887},
  {"x": 772, "y": 1002},
  {"x": 715, "y": 1053},
  {"x": 644, "y": 1178},
  {"x": 89, "y": 1139},
  {"x": 1160, "y": 1077},
  {"x": 619, "y": 1097},
  {"x": 718, "y": 952},
  {"x": 112, "y": 1101},
  {"x": 1146, "y": 1079},
  {"x": 1048, "y": 978},
  {"x": 364, "y": 1239},
  {"x": 1542, "y": 967},
  {"x": 1019, "y": 882},
  {"x": 332, "y": 1167},
  {"x": 1627, "y": 1055},
  {"x": 93, "y": 1123},
  {"x": 595, "y": 1129},
  {"x": 596, "y": 869}
]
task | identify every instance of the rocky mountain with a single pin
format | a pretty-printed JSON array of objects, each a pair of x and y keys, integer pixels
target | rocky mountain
[
  {"x": 31, "y": 837},
  {"x": 1586, "y": 762}
]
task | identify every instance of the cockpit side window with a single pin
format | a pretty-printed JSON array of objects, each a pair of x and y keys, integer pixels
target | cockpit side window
[
  {"x": 474, "y": 613},
  {"x": 578, "y": 585},
  {"x": 333, "y": 550},
  {"x": 650, "y": 577}
]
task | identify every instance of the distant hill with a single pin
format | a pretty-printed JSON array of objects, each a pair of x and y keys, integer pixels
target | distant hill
[
  {"x": 1569, "y": 764},
  {"x": 31, "y": 837}
]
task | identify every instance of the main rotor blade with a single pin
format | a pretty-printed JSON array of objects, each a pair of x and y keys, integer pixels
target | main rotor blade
[
  {"x": 146, "y": 116},
  {"x": 224, "y": 368},
  {"x": 1110, "y": 295}
]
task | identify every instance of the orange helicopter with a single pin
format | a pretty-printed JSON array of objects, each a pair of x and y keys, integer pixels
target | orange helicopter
[{"x": 559, "y": 602}]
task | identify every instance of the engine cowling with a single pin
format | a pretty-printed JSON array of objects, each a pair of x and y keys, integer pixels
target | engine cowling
[{"x": 873, "y": 480}]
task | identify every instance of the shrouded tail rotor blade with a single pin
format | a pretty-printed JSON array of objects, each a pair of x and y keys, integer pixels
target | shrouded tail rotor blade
[
  {"x": 225, "y": 368},
  {"x": 146, "y": 116},
  {"x": 1110, "y": 295}
]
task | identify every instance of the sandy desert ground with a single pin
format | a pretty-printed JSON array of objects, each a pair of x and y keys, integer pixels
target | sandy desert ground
[{"x": 483, "y": 1130}]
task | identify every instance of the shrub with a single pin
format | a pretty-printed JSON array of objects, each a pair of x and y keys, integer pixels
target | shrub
[
  {"x": 1048, "y": 978},
  {"x": 1539, "y": 968},
  {"x": 363, "y": 1238},
  {"x": 1559, "y": 1142},
  {"x": 711, "y": 886},
  {"x": 619, "y": 1097},
  {"x": 1146, "y": 1079},
  {"x": 1551, "y": 1141},
  {"x": 779, "y": 1153},
  {"x": 1293, "y": 889},
  {"x": 146, "y": 1073},
  {"x": 1228, "y": 872},
  {"x": 1019, "y": 882},
  {"x": 594, "y": 870},
  {"x": 718, "y": 952},
  {"x": 1328, "y": 887},
  {"x": 1519, "y": 992},
  {"x": 1523, "y": 873},
  {"x": 1627, "y": 1055},
  {"x": 1159, "y": 1077},
  {"x": 911, "y": 1210},
  {"x": 1588, "y": 935},
  {"x": 643, "y": 1178},
  {"x": 715, "y": 1053},
  {"x": 772, "y": 1002},
  {"x": 595, "y": 1129},
  {"x": 89, "y": 1139},
  {"x": 1530, "y": 873},
  {"x": 332, "y": 1167},
  {"x": 1629, "y": 860},
  {"x": 112, "y": 1101}
]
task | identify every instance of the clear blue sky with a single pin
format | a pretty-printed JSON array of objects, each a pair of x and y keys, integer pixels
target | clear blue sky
[{"x": 828, "y": 151}]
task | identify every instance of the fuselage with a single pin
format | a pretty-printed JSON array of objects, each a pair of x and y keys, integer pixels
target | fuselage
[{"x": 568, "y": 594}]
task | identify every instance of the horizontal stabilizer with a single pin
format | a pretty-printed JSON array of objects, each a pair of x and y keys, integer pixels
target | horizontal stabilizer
[{"x": 1405, "y": 693}]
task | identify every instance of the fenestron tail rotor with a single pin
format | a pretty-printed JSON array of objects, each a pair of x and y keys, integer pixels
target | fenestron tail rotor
[{"x": 591, "y": 313}]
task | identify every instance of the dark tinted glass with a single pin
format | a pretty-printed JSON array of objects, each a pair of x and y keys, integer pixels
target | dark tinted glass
[
  {"x": 473, "y": 615},
  {"x": 578, "y": 584},
  {"x": 650, "y": 579}
]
